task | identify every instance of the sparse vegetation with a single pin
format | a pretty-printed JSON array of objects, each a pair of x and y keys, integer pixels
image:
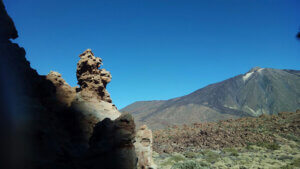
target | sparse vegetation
[
  {"x": 294, "y": 164},
  {"x": 291, "y": 137},
  {"x": 270, "y": 146},
  {"x": 190, "y": 154},
  {"x": 187, "y": 165},
  {"x": 231, "y": 151},
  {"x": 234, "y": 144},
  {"x": 210, "y": 156},
  {"x": 261, "y": 131},
  {"x": 173, "y": 159}
]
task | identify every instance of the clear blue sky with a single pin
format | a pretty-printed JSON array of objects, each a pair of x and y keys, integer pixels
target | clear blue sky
[{"x": 159, "y": 49}]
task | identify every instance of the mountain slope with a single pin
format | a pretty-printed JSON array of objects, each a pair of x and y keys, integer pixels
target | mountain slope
[{"x": 259, "y": 91}]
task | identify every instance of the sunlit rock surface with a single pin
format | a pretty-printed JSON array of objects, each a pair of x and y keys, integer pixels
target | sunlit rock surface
[
  {"x": 91, "y": 79},
  {"x": 143, "y": 148},
  {"x": 64, "y": 92}
]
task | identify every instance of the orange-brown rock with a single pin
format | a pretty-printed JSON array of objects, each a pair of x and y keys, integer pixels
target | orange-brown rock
[
  {"x": 92, "y": 99},
  {"x": 65, "y": 94},
  {"x": 91, "y": 79}
]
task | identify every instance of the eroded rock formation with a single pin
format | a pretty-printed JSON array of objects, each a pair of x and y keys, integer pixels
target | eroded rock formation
[
  {"x": 91, "y": 79},
  {"x": 48, "y": 124},
  {"x": 65, "y": 94},
  {"x": 143, "y": 148},
  {"x": 92, "y": 98}
]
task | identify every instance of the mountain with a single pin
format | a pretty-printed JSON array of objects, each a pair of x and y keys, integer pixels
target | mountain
[{"x": 259, "y": 91}]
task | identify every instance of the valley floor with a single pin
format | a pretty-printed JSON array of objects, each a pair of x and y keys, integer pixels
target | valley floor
[{"x": 269, "y": 141}]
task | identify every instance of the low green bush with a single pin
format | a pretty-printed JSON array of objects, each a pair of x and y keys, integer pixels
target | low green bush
[
  {"x": 210, "y": 156},
  {"x": 187, "y": 165},
  {"x": 294, "y": 164},
  {"x": 190, "y": 154},
  {"x": 270, "y": 146},
  {"x": 173, "y": 159},
  {"x": 231, "y": 151}
]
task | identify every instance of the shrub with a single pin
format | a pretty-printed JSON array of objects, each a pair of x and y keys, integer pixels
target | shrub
[
  {"x": 177, "y": 158},
  {"x": 270, "y": 146},
  {"x": 231, "y": 151},
  {"x": 210, "y": 156},
  {"x": 173, "y": 159},
  {"x": 291, "y": 137},
  {"x": 249, "y": 146},
  {"x": 295, "y": 164},
  {"x": 190, "y": 154},
  {"x": 187, "y": 165}
]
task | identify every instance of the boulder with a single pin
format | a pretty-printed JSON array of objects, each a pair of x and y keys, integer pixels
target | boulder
[
  {"x": 143, "y": 148},
  {"x": 93, "y": 111},
  {"x": 111, "y": 145}
]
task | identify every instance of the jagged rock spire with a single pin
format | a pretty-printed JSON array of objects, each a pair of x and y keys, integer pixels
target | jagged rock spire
[{"x": 91, "y": 79}]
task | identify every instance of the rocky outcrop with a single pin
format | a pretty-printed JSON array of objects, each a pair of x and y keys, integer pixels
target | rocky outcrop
[
  {"x": 143, "y": 148},
  {"x": 93, "y": 111},
  {"x": 30, "y": 131},
  {"x": 47, "y": 124},
  {"x": 111, "y": 145},
  {"x": 65, "y": 94},
  {"x": 92, "y": 99},
  {"x": 91, "y": 79},
  {"x": 7, "y": 29}
]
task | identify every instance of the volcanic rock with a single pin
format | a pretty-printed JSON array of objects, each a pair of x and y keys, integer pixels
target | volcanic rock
[
  {"x": 64, "y": 92},
  {"x": 111, "y": 145},
  {"x": 42, "y": 126},
  {"x": 91, "y": 79},
  {"x": 92, "y": 99},
  {"x": 143, "y": 148},
  {"x": 259, "y": 91},
  {"x": 7, "y": 29}
]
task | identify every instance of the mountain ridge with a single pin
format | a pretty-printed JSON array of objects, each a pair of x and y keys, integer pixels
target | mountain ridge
[{"x": 258, "y": 91}]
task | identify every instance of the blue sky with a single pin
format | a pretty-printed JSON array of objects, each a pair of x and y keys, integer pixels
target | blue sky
[{"x": 158, "y": 49}]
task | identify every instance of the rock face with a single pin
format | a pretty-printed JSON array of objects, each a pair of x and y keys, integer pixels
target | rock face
[
  {"x": 48, "y": 124},
  {"x": 111, "y": 145},
  {"x": 143, "y": 148},
  {"x": 92, "y": 99},
  {"x": 65, "y": 94},
  {"x": 91, "y": 79},
  {"x": 93, "y": 111},
  {"x": 7, "y": 29}
]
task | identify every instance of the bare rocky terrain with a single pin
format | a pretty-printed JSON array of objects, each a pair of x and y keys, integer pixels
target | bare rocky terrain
[{"x": 267, "y": 141}]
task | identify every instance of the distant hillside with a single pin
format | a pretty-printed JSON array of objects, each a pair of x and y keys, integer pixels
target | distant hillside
[{"x": 259, "y": 91}]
